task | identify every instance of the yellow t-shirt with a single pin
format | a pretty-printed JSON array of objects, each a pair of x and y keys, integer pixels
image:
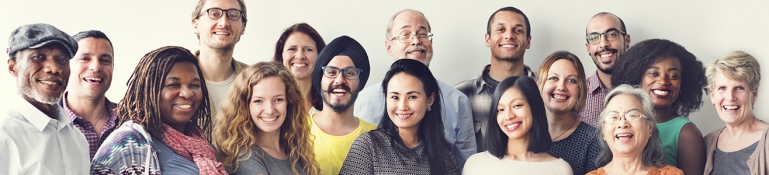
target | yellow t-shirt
[{"x": 330, "y": 151}]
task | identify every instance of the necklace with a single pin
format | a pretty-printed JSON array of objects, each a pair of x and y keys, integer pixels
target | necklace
[
  {"x": 572, "y": 125},
  {"x": 99, "y": 119}
]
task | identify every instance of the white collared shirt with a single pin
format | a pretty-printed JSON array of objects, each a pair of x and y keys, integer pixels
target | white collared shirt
[{"x": 33, "y": 143}]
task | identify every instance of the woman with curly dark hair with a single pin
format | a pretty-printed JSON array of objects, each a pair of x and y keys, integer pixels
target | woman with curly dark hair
[{"x": 675, "y": 79}]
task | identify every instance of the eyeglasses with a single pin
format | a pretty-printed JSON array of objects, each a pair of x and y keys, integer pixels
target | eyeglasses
[
  {"x": 610, "y": 35},
  {"x": 614, "y": 117},
  {"x": 216, "y": 13},
  {"x": 349, "y": 73},
  {"x": 406, "y": 37}
]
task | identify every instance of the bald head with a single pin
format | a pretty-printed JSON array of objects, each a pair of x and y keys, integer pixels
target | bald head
[
  {"x": 603, "y": 16},
  {"x": 408, "y": 36}
]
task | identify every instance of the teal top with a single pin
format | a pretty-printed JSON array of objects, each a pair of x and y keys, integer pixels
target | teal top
[{"x": 670, "y": 131}]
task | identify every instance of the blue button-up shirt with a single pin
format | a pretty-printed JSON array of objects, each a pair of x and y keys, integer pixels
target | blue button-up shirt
[{"x": 456, "y": 113}]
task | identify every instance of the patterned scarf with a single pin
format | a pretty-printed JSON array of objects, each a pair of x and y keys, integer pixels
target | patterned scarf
[{"x": 194, "y": 148}]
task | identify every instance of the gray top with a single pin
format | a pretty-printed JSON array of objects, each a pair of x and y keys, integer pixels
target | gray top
[
  {"x": 732, "y": 162},
  {"x": 172, "y": 163},
  {"x": 375, "y": 152},
  {"x": 259, "y": 162}
]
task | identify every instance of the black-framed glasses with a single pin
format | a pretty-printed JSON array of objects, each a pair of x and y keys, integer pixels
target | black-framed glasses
[
  {"x": 349, "y": 73},
  {"x": 610, "y": 35},
  {"x": 613, "y": 117},
  {"x": 216, "y": 13},
  {"x": 407, "y": 37}
]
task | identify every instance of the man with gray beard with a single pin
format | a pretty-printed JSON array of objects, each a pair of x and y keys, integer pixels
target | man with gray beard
[{"x": 36, "y": 135}]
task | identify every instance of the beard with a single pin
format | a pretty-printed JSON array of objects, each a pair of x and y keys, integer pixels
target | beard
[
  {"x": 340, "y": 107},
  {"x": 30, "y": 92},
  {"x": 607, "y": 69}
]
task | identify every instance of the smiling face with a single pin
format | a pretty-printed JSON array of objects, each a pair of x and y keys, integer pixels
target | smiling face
[
  {"x": 514, "y": 114},
  {"x": 626, "y": 137},
  {"x": 181, "y": 95},
  {"x": 339, "y": 93},
  {"x": 41, "y": 73},
  {"x": 299, "y": 54},
  {"x": 410, "y": 23},
  {"x": 663, "y": 81},
  {"x": 733, "y": 99},
  {"x": 222, "y": 33},
  {"x": 407, "y": 101},
  {"x": 605, "y": 53},
  {"x": 560, "y": 90},
  {"x": 508, "y": 40},
  {"x": 268, "y": 105},
  {"x": 92, "y": 68}
]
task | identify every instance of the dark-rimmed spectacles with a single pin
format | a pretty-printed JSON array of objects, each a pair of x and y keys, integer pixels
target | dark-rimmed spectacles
[
  {"x": 349, "y": 73},
  {"x": 610, "y": 35},
  {"x": 216, "y": 13}
]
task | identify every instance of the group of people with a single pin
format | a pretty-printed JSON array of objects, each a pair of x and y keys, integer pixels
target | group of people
[{"x": 307, "y": 111}]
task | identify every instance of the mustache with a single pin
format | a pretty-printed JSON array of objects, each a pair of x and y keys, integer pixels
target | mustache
[
  {"x": 605, "y": 50},
  {"x": 415, "y": 48},
  {"x": 345, "y": 87}
]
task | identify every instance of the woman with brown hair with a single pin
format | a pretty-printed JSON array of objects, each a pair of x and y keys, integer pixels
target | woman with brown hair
[
  {"x": 262, "y": 127},
  {"x": 297, "y": 48}
]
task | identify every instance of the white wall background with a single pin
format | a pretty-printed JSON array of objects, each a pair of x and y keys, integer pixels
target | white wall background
[{"x": 709, "y": 29}]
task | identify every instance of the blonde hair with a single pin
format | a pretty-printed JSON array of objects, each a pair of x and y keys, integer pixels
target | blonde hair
[
  {"x": 736, "y": 65},
  {"x": 235, "y": 132},
  {"x": 199, "y": 9},
  {"x": 581, "y": 80}
]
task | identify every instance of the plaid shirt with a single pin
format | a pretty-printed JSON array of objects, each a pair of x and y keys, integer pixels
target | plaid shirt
[
  {"x": 479, "y": 92},
  {"x": 596, "y": 93},
  {"x": 94, "y": 141}
]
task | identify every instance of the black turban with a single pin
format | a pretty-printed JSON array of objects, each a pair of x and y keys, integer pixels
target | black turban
[{"x": 343, "y": 45}]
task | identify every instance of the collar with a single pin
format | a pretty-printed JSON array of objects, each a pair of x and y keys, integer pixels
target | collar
[
  {"x": 594, "y": 83},
  {"x": 109, "y": 105},
  {"x": 479, "y": 82},
  {"x": 36, "y": 117}
]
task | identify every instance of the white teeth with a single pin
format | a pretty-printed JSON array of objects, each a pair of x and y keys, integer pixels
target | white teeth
[
  {"x": 731, "y": 107},
  {"x": 607, "y": 55},
  {"x": 559, "y": 97},
  {"x": 660, "y": 92},
  {"x": 339, "y": 90},
  {"x": 221, "y": 33},
  {"x": 415, "y": 52},
  {"x": 93, "y": 79},
  {"x": 269, "y": 119},
  {"x": 299, "y": 65},
  {"x": 512, "y": 126},
  {"x": 508, "y": 46},
  {"x": 185, "y": 106},
  {"x": 48, "y": 82}
]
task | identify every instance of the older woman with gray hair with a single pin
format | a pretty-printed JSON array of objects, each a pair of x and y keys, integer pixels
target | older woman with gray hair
[
  {"x": 740, "y": 147},
  {"x": 631, "y": 143}
]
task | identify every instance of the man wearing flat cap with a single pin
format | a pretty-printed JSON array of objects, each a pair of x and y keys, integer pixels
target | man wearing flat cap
[
  {"x": 36, "y": 136},
  {"x": 341, "y": 71}
]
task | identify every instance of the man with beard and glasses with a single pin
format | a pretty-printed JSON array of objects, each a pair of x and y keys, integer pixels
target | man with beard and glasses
[
  {"x": 607, "y": 39},
  {"x": 84, "y": 101},
  {"x": 340, "y": 72},
  {"x": 408, "y": 37},
  {"x": 218, "y": 25},
  {"x": 508, "y": 35},
  {"x": 36, "y": 136}
]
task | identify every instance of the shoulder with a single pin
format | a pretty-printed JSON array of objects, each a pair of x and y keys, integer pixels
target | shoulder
[
  {"x": 689, "y": 130},
  {"x": 479, "y": 158},
  {"x": 667, "y": 170},
  {"x": 598, "y": 171},
  {"x": 712, "y": 137},
  {"x": 365, "y": 126},
  {"x": 468, "y": 85}
]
